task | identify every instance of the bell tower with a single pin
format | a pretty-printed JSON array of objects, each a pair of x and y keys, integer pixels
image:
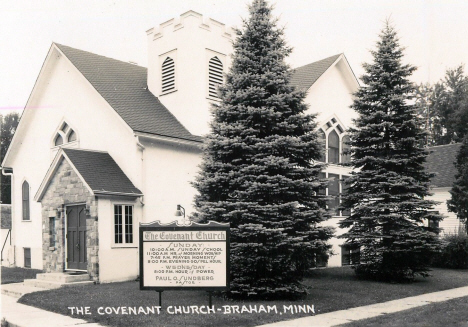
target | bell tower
[{"x": 187, "y": 58}]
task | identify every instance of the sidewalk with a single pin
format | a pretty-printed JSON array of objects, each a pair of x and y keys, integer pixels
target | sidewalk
[
  {"x": 336, "y": 318},
  {"x": 20, "y": 315}
]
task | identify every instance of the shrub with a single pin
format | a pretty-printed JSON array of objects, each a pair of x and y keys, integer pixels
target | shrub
[{"x": 454, "y": 253}]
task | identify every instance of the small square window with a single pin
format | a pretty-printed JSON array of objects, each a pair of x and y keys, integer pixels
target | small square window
[{"x": 350, "y": 255}]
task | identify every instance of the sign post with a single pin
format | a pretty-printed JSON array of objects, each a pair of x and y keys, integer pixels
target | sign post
[{"x": 189, "y": 257}]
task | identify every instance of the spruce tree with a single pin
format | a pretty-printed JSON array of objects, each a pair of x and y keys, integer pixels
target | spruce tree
[
  {"x": 258, "y": 171},
  {"x": 458, "y": 202},
  {"x": 387, "y": 190}
]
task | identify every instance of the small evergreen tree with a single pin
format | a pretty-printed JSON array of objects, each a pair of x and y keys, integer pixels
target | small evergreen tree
[
  {"x": 387, "y": 190},
  {"x": 458, "y": 202},
  {"x": 258, "y": 171}
]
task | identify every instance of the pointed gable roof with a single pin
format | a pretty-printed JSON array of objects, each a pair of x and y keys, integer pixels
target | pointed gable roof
[
  {"x": 441, "y": 161},
  {"x": 305, "y": 76},
  {"x": 98, "y": 171},
  {"x": 124, "y": 87}
]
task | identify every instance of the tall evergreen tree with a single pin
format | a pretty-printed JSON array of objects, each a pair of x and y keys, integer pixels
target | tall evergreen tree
[
  {"x": 458, "y": 202},
  {"x": 258, "y": 171},
  {"x": 387, "y": 190}
]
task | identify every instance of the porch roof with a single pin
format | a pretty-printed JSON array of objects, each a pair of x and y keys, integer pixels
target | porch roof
[{"x": 98, "y": 171}]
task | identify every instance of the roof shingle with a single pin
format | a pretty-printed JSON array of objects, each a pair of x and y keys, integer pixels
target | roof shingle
[
  {"x": 101, "y": 172},
  {"x": 305, "y": 76},
  {"x": 124, "y": 87},
  {"x": 441, "y": 161}
]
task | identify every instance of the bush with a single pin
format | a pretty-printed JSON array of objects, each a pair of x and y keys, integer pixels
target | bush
[{"x": 454, "y": 253}]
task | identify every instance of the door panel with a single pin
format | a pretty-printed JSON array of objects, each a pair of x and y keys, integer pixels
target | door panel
[{"x": 76, "y": 237}]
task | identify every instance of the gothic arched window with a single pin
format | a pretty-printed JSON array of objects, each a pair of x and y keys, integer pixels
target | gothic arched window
[
  {"x": 64, "y": 135},
  {"x": 333, "y": 147}
]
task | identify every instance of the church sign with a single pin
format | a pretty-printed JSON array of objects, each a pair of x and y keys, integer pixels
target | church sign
[{"x": 192, "y": 257}]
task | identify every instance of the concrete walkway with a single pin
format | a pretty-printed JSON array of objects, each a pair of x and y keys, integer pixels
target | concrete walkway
[
  {"x": 20, "y": 315},
  {"x": 336, "y": 318}
]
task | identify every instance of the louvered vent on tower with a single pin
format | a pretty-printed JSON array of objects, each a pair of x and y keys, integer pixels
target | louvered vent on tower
[
  {"x": 215, "y": 76},
  {"x": 168, "y": 75}
]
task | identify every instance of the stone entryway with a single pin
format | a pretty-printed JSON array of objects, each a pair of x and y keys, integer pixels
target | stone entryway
[{"x": 70, "y": 224}]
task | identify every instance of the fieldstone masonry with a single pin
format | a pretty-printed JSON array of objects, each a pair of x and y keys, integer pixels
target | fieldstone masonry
[{"x": 66, "y": 188}]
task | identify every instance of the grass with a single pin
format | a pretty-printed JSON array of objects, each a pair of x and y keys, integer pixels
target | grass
[
  {"x": 18, "y": 275},
  {"x": 330, "y": 289},
  {"x": 449, "y": 313}
]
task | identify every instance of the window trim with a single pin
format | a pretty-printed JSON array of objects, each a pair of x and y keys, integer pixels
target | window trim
[{"x": 134, "y": 243}]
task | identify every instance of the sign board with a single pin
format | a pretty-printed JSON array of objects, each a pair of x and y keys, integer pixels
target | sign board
[{"x": 193, "y": 257}]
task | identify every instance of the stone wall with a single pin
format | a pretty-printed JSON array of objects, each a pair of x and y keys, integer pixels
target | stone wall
[{"x": 66, "y": 188}]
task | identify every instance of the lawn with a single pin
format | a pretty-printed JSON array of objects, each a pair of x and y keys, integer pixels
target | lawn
[
  {"x": 18, "y": 275},
  {"x": 450, "y": 313},
  {"x": 330, "y": 289}
]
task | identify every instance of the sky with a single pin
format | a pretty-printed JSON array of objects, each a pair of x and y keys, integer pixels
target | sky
[{"x": 433, "y": 32}]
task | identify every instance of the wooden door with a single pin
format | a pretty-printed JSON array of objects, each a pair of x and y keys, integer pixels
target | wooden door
[{"x": 76, "y": 237}]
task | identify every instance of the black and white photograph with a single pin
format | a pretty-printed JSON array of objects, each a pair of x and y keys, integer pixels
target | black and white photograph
[{"x": 249, "y": 163}]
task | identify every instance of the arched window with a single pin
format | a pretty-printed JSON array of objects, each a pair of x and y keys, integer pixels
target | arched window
[
  {"x": 25, "y": 200},
  {"x": 345, "y": 157},
  {"x": 333, "y": 147},
  {"x": 58, "y": 140},
  {"x": 72, "y": 136},
  {"x": 323, "y": 146},
  {"x": 215, "y": 76},
  {"x": 168, "y": 75},
  {"x": 64, "y": 135}
]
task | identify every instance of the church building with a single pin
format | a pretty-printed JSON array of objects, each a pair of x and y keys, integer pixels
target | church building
[{"x": 104, "y": 145}]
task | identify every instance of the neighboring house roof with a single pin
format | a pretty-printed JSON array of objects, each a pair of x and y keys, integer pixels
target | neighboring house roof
[
  {"x": 304, "y": 77},
  {"x": 98, "y": 171},
  {"x": 441, "y": 161},
  {"x": 124, "y": 87}
]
